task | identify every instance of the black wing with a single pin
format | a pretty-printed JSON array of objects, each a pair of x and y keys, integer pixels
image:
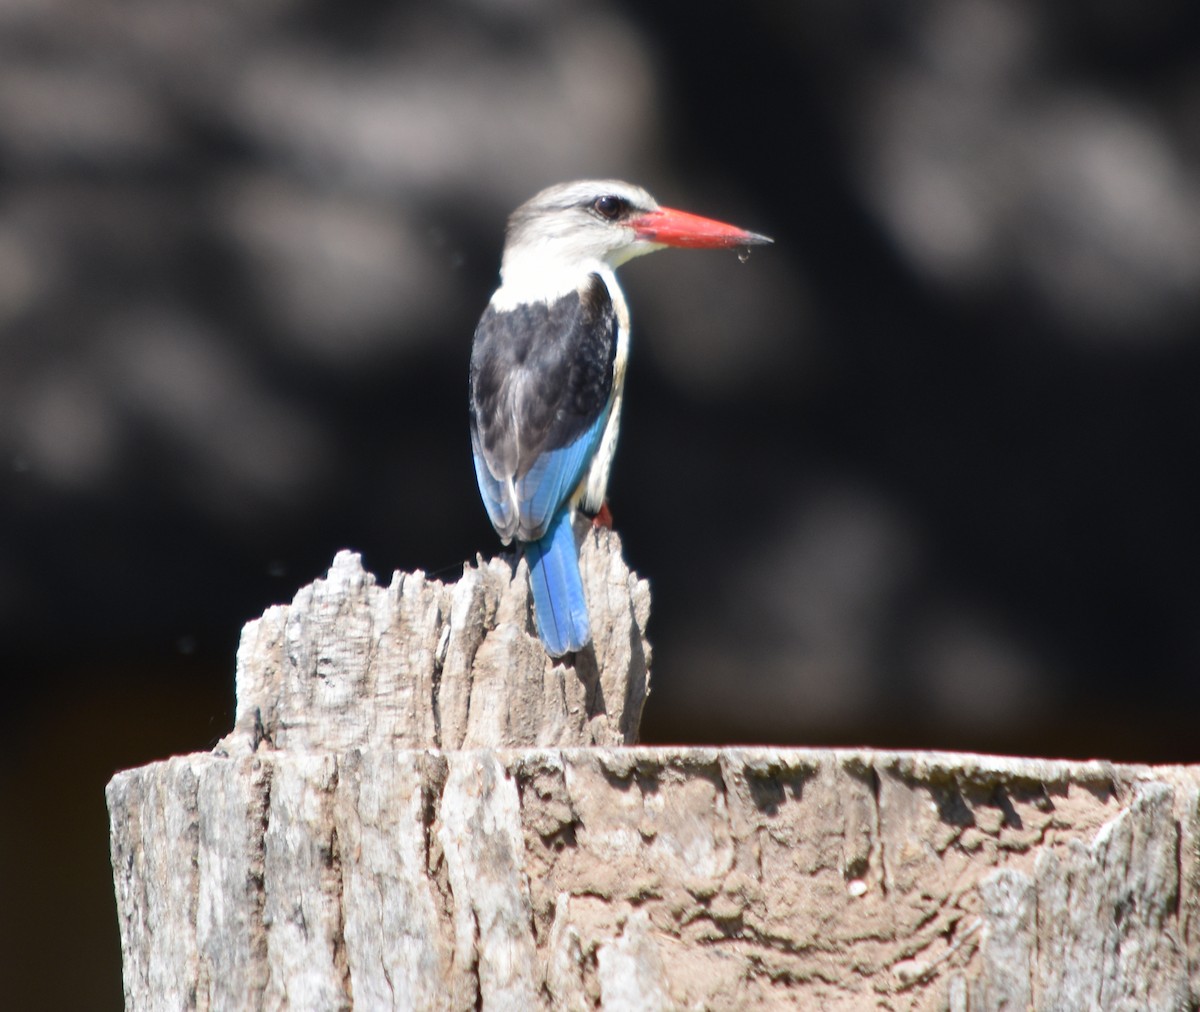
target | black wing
[{"x": 541, "y": 380}]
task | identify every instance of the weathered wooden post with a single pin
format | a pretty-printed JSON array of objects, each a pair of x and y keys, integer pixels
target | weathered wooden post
[{"x": 418, "y": 810}]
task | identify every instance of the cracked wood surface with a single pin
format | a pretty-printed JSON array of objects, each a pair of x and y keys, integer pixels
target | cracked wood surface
[
  {"x": 655, "y": 878},
  {"x": 417, "y": 809},
  {"x": 423, "y": 664}
]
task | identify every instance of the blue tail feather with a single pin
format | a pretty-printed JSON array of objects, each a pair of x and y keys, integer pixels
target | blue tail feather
[{"x": 559, "y": 605}]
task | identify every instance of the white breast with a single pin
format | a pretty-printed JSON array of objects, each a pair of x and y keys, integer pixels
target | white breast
[{"x": 595, "y": 485}]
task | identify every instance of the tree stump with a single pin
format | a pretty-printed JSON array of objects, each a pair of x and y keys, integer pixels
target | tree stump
[{"x": 417, "y": 809}]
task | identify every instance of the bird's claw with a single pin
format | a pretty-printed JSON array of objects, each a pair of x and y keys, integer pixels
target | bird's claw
[{"x": 603, "y": 517}]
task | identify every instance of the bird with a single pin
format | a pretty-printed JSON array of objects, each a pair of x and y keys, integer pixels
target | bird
[{"x": 547, "y": 374}]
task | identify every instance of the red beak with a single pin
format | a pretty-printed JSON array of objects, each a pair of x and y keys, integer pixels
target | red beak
[{"x": 669, "y": 227}]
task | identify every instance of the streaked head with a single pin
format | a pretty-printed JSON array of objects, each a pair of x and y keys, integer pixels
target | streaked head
[{"x": 606, "y": 221}]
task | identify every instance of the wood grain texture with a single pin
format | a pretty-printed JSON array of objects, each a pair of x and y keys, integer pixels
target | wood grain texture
[
  {"x": 694, "y": 878},
  {"x": 418, "y": 810},
  {"x": 419, "y": 663}
]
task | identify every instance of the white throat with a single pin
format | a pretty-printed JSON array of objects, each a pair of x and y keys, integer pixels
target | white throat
[{"x": 531, "y": 277}]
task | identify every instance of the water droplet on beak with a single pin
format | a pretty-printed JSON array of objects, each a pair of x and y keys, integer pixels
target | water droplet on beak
[{"x": 743, "y": 254}]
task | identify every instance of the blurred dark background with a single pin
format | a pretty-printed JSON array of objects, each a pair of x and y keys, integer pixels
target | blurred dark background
[{"x": 919, "y": 475}]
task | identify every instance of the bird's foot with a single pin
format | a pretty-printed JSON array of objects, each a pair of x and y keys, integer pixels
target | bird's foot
[{"x": 603, "y": 517}]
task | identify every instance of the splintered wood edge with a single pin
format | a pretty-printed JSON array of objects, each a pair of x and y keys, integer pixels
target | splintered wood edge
[{"x": 353, "y": 663}]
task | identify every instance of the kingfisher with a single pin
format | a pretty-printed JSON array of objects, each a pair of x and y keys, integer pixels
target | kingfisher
[{"x": 548, "y": 374}]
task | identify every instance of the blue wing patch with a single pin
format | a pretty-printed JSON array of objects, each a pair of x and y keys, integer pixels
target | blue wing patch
[
  {"x": 501, "y": 510},
  {"x": 542, "y": 490},
  {"x": 549, "y": 484}
]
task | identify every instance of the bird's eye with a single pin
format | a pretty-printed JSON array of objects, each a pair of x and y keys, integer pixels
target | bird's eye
[{"x": 610, "y": 207}]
